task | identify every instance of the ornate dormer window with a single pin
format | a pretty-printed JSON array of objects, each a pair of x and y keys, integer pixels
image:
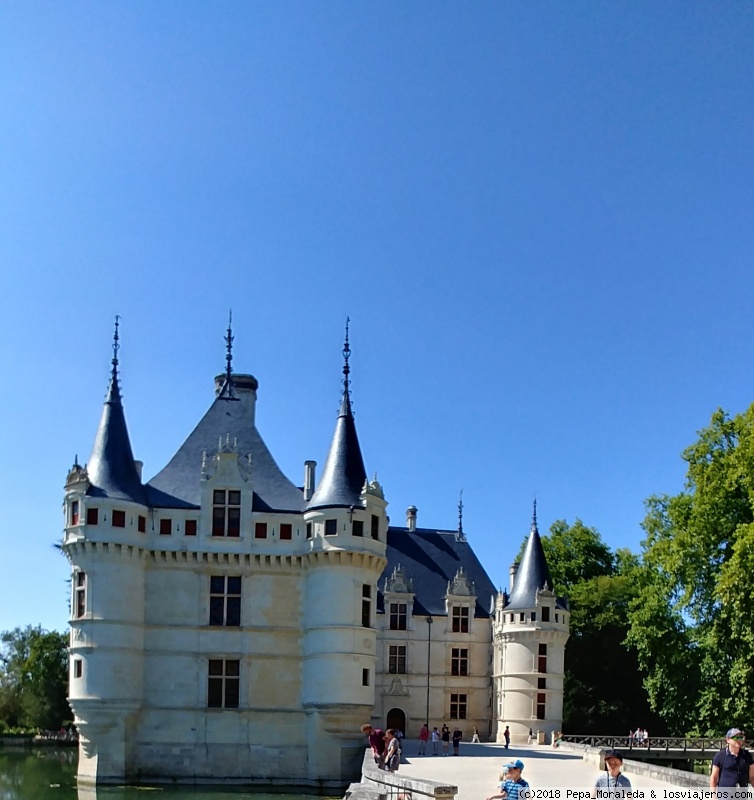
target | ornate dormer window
[
  {"x": 460, "y": 600},
  {"x": 398, "y": 592},
  {"x": 226, "y": 512}
]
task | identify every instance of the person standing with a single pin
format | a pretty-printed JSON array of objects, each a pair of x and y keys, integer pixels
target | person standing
[
  {"x": 423, "y": 736},
  {"x": 392, "y": 751},
  {"x": 435, "y": 740},
  {"x": 612, "y": 777},
  {"x": 445, "y": 736},
  {"x": 376, "y": 742},
  {"x": 507, "y": 736},
  {"x": 513, "y": 784},
  {"x": 531, "y": 736},
  {"x": 457, "y": 736},
  {"x": 733, "y": 765},
  {"x": 475, "y": 737}
]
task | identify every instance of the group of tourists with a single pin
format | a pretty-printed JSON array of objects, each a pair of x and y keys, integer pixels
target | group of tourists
[
  {"x": 640, "y": 737},
  {"x": 441, "y": 737},
  {"x": 386, "y": 746}
]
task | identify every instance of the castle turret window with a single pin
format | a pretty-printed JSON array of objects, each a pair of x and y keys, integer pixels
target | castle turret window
[
  {"x": 398, "y": 616},
  {"x": 397, "y": 659},
  {"x": 226, "y": 512},
  {"x": 142, "y": 524},
  {"x": 459, "y": 661},
  {"x": 75, "y": 512},
  {"x": 189, "y": 528},
  {"x": 542, "y": 659},
  {"x": 119, "y": 519},
  {"x": 308, "y": 530},
  {"x": 458, "y": 706},
  {"x": 545, "y": 613},
  {"x": 331, "y": 527},
  {"x": 357, "y": 527},
  {"x": 460, "y": 619},
  {"x": 80, "y": 594},
  {"x": 223, "y": 683},
  {"x": 225, "y": 601},
  {"x": 366, "y": 605},
  {"x": 166, "y": 526},
  {"x": 92, "y": 516},
  {"x": 365, "y": 677},
  {"x": 286, "y": 530},
  {"x": 541, "y": 705},
  {"x": 375, "y": 526},
  {"x": 78, "y": 667},
  {"x": 260, "y": 530}
]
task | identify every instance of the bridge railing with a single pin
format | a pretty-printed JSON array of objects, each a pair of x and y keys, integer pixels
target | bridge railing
[{"x": 703, "y": 744}]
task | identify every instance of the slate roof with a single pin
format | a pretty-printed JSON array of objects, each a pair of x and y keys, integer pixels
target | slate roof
[
  {"x": 111, "y": 468},
  {"x": 228, "y": 418},
  {"x": 533, "y": 574},
  {"x": 344, "y": 475},
  {"x": 431, "y": 558}
]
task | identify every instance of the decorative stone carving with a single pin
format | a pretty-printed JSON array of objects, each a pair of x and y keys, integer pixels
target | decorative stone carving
[
  {"x": 398, "y": 582},
  {"x": 397, "y": 689},
  {"x": 461, "y": 586}
]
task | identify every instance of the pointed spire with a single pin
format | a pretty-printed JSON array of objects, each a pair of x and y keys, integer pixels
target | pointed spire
[
  {"x": 533, "y": 573},
  {"x": 228, "y": 390},
  {"x": 112, "y": 469},
  {"x": 460, "y": 536},
  {"x": 344, "y": 474}
]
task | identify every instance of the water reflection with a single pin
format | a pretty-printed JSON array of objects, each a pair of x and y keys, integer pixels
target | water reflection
[{"x": 50, "y": 774}]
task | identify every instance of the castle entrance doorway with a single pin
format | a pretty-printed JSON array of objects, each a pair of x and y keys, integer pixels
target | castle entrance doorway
[{"x": 396, "y": 719}]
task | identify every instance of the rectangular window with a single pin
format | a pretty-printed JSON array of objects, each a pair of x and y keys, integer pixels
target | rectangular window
[
  {"x": 557, "y": 618},
  {"x": 366, "y": 605},
  {"x": 459, "y": 661},
  {"x": 458, "y": 706},
  {"x": 375, "y": 526},
  {"x": 166, "y": 526},
  {"x": 521, "y": 617},
  {"x": 396, "y": 659},
  {"x": 357, "y": 528},
  {"x": 119, "y": 519},
  {"x": 80, "y": 594},
  {"x": 260, "y": 530},
  {"x": 540, "y": 706},
  {"x": 546, "y": 614},
  {"x": 398, "y": 616},
  {"x": 511, "y": 617},
  {"x": 78, "y": 668},
  {"x": 365, "y": 677},
  {"x": 308, "y": 530},
  {"x": 75, "y": 512},
  {"x": 92, "y": 516},
  {"x": 142, "y": 524},
  {"x": 533, "y": 616},
  {"x": 541, "y": 683},
  {"x": 190, "y": 527},
  {"x": 226, "y": 512},
  {"x": 223, "y": 683},
  {"x": 460, "y": 619},
  {"x": 225, "y": 601},
  {"x": 543, "y": 649},
  {"x": 286, "y": 530},
  {"x": 331, "y": 527}
]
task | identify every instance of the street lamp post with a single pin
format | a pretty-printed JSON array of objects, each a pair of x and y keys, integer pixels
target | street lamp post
[{"x": 429, "y": 663}]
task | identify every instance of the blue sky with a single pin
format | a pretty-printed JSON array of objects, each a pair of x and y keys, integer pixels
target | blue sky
[{"x": 537, "y": 215}]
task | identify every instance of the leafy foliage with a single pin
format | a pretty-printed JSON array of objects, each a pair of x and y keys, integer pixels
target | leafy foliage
[
  {"x": 33, "y": 678},
  {"x": 691, "y": 621}
]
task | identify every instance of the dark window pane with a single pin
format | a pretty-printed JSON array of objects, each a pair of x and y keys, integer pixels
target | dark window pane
[
  {"x": 80, "y": 578},
  {"x": 190, "y": 529},
  {"x": 234, "y": 612},
  {"x": 308, "y": 530},
  {"x": 119, "y": 519},
  {"x": 375, "y": 526},
  {"x": 366, "y": 590},
  {"x": 165, "y": 527},
  {"x": 75, "y": 512},
  {"x": 234, "y": 522},
  {"x": 216, "y": 610},
  {"x": 543, "y": 649},
  {"x": 358, "y": 527},
  {"x": 260, "y": 530},
  {"x": 92, "y": 516},
  {"x": 541, "y": 683},
  {"x": 542, "y": 664},
  {"x": 366, "y": 620},
  {"x": 233, "y": 667},
  {"x": 217, "y": 584},
  {"x": 234, "y": 584},
  {"x": 232, "y": 692},
  {"x": 215, "y": 692},
  {"x": 331, "y": 527},
  {"x": 533, "y": 616},
  {"x": 142, "y": 524},
  {"x": 234, "y": 498},
  {"x": 365, "y": 677},
  {"x": 215, "y": 666},
  {"x": 218, "y": 521},
  {"x": 218, "y": 497},
  {"x": 286, "y": 531},
  {"x": 546, "y": 614}
]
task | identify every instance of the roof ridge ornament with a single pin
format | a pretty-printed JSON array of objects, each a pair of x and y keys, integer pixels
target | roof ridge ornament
[
  {"x": 347, "y": 368},
  {"x": 460, "y": 535},
  {"x": 534, "y": 518},
  {"x": 228, "y": 391},
  {"x": 116, "y": 347}
]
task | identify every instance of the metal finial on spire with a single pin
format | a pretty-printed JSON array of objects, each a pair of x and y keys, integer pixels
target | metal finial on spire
[
  {"x": 116, "y": 347},
  {"x": 346, "y": 367},
  {"x": 460, "y": 514},
  {"x": 534, "y": 517},
  {"x": 229, "y": 347}
]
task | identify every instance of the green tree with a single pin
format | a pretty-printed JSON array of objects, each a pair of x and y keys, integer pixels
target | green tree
[
  {"x": 691, "y": 622},
  {"x": 603, "y": 691},
  {"x": 33, "y": 678}
]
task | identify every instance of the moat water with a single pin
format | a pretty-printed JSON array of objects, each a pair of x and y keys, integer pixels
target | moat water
[{"x": 50, "y": 774}]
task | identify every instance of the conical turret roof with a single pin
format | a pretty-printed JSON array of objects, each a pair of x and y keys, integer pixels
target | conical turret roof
[
  {"x": 533, "y": 573},
  {"x": 111, "y": 469},
  {"x": 344, "y": 475}
]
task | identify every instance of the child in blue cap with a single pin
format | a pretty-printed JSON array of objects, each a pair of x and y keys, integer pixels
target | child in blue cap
[{"x": 513, "y": 784}]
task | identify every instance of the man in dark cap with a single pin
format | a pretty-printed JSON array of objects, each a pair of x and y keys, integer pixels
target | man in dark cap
[
  {"x": 612, "y": 777},
  {"x": 733, "y": 765}
]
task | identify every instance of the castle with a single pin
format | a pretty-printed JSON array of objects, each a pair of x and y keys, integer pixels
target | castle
[{"x": 227, "y": 625}]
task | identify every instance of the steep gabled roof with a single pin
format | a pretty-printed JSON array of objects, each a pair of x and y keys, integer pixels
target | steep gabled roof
[
  {"x": 111, "y": 469},
  {"x": 229, "y": 419},
  {"x": 431, "y": 558}
]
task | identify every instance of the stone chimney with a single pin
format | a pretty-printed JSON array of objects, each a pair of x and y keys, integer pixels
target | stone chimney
[
  {"x": 309, "y": 475},
  {"x": 411, "y": 518},
  {"x": 512, "y": 572}
]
